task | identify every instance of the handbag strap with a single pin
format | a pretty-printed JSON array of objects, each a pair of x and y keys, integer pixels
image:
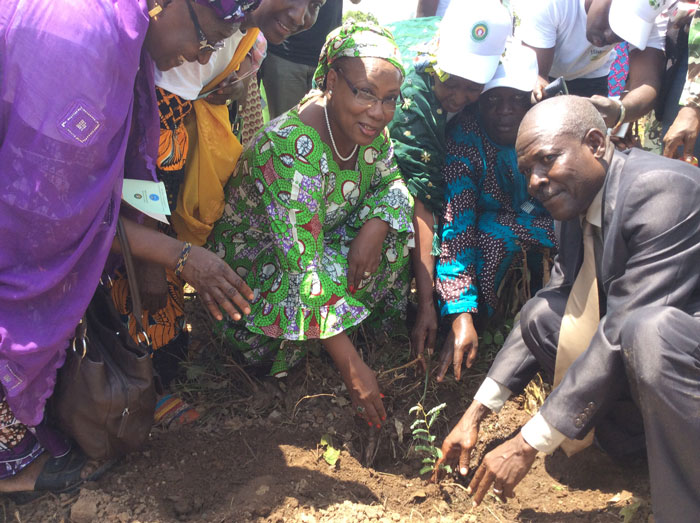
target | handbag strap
[{"x": 136, "y": 307}]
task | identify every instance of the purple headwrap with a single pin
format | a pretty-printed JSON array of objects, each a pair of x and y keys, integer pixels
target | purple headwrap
[{"x": 232, "y": 10}]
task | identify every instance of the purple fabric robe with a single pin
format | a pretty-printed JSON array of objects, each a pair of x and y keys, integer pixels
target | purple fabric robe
[{"x": 72, "y": 74}]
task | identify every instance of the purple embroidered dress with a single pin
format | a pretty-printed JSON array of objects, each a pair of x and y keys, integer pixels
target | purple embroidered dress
[{"x": 72, "y": 74}]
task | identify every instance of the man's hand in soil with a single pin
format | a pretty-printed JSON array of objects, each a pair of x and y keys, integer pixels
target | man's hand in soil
[
  {"x": 458, "y": 445},
  {"x": 461, "y": 339},
  {"x": 504, "y": 467}
]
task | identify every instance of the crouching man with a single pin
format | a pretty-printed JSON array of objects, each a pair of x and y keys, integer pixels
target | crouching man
[{"x": 619, "y": 319}]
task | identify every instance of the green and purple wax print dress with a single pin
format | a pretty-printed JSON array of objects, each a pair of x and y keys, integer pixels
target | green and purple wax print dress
[{"x": 290, "y": 217}]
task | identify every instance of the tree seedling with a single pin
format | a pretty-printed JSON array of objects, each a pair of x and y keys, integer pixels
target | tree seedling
[{"x": 425, "y": 441}]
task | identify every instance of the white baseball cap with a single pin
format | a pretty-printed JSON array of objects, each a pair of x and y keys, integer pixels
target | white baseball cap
[
  {"x": 518, "y": 69},
  {"x": 472, "y": 38},
  {"x": 632, "y": 20}
]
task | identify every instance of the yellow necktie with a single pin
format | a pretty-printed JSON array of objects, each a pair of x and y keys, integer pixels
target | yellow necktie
[{"x": 579, "y": 324}]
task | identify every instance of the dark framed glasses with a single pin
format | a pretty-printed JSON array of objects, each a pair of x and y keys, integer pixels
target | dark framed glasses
[
  {"x": 367, "y": 99},
  {"x": 205, "y": 46}
]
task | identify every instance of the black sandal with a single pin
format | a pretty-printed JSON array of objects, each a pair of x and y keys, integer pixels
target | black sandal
[{"x": 60, "y": 475}]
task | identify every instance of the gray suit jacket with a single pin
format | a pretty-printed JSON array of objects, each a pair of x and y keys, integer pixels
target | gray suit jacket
[{"x": 651, "y": 256}]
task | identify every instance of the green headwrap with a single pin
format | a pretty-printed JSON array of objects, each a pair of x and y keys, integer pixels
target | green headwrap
[{"x": 362, "y": 40}]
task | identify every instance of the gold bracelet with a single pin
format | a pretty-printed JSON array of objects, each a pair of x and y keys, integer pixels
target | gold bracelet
[{"x": 621, "y": 119}]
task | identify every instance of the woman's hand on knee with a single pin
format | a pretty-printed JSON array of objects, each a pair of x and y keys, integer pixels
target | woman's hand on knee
[
  {"x": 366, "y": 252},
  {"x": 217, "y": 284}
]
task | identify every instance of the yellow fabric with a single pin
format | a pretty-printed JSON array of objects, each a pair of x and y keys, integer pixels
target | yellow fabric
[
  {"x": 212, "y": 157},
  {"x": 579, "y": 324}
]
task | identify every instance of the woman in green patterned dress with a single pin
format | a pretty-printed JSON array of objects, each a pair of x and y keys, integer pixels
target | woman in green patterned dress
[{"x": 318, "y": 217}]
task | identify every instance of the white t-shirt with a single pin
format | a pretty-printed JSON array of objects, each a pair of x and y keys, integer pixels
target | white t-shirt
[
  {"x": 442, "y": 7},
  {"x": 188, "y": 80},
  {"x": 562, "y": 24}
]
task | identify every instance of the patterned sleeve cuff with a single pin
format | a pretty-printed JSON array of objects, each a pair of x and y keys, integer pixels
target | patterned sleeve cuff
[
  {"x": 394, "y": 206},
  {"x": 492, "y": 394},
  {"x": 542, "y": 436},
  {"x": 467, "y": 305}
]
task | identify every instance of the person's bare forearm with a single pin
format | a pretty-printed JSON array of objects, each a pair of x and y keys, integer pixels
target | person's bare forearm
[
  {"x": 423, "y": 261},
  {"x": 147, "y": 244},
  {"x": 639, "y": 102},
  {"x": 644, "y": 84}
]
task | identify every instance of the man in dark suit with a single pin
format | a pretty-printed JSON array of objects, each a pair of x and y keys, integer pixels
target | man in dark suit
[{"x": 640, "y": 215}]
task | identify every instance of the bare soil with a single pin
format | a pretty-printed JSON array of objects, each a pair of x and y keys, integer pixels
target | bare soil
[{"x": 254, "y": 455}]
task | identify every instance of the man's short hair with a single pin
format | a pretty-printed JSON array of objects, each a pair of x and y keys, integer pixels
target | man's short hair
[{"x": 567, "y": 114}]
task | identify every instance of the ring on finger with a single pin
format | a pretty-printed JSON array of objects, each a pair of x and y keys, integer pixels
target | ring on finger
[
  {"x": 366, "y": 274},
  {"x": 497, "y": 491},
  {"x": 360, "y": 409}
]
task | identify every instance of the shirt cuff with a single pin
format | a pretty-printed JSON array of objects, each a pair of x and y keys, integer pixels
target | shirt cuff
[
  {"x": 492, "y": 394},
  {"x": 541, "y": 435}
]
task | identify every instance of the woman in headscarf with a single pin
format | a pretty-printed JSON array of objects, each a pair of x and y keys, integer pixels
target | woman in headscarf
[
  {"x": 77, "y": 113},
  {"x": 318, "y": 218},
  {"x": 446, "y": 76}
]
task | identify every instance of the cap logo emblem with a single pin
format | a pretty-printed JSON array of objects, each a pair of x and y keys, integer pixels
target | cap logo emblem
[{"x": 481, "y": 31}]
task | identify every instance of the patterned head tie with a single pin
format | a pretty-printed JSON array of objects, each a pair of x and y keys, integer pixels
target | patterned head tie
[
  {"x": 231, "y": 10},
  {"x": 359, "y": 40}
]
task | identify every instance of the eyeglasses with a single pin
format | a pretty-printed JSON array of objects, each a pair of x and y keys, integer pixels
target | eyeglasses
[
  {"x": 204, "y": 44},
  {"x": 367, "y": 99}
]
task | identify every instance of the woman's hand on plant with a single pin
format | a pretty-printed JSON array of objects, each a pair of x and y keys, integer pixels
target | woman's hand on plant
[
  {"x": 424, "y": 333},
  {"x": 217, "y": 284},
  {"x": 153, "y": 285},
  {"x": 459, "y": 443},
  {"x": 461, "y": 339},
  {"x": 366, "y": 251}
]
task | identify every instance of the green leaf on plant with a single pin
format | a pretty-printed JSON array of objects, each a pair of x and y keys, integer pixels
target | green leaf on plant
[
  {"x": 414, "y": 408},
  {"x": 628, "y": 512},
  {"x": 498, "y": 338},
  {"x": 427, "y": 468},
  {"x": 432, "y": 419},
  {"x": 446, "y": 468},
  {"x": 417, "y": 422},
  {"x": 436, "y": 409},
  {"x": 331, "y": 454},
  {"x": 487, "y": 338},
  {"x": 434, "y": 451},
  {"x": 424, "y": 437},
  {"x": 428, "y": 460},
  {"x": 420, "y": 431}
]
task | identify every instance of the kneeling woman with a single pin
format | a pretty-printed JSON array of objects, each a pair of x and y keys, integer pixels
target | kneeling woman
[{"x": 318, "y": 218}]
